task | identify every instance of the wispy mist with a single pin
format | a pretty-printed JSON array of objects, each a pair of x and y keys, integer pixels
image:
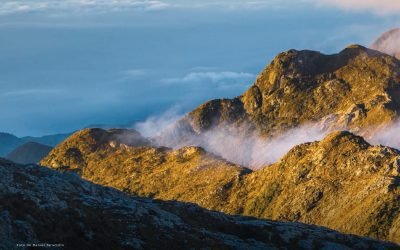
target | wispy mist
[
  {"x": 244, "y": 145},
  {"x": 241, "y": 145},
  {"x": 251, "y": 149},
  {"x": 388, "y": 136},
  {"x": 154, "y": 125},
  {"x": 389, "y": 43}
]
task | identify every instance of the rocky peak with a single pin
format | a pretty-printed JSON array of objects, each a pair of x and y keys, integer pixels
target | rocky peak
[
  {"x": 97, "y": 137},
  {"x": 357, "y": 88},
  {"x": 345, "y": 151},
  {"x": 341, "y": 138},
  {"x": 79, "y": 146}
]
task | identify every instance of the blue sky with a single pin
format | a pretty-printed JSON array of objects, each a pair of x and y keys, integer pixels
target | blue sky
[{"x": 67, "y": 64}]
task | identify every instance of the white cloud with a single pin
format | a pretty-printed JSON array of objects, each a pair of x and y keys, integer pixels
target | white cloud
[
  {"x": 389, "y": 43},
  {"x": 377, "y": 6},
  {"x": 214, "y": 77},
  {"x": 232, "y": 4},
  {"x": 23, "y": 6},
  {"x": 239, "y": 4},
  {"x": 154, "y": 125}
]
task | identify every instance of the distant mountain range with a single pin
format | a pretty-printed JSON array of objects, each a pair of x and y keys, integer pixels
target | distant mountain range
[
  {"x": 30, "y": 152},
  {"x": 9, "y": 142}
]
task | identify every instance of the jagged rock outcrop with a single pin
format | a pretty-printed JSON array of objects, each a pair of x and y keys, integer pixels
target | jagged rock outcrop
[
  {"x": 389, "y": 43},
  {"x": 30, "y": 152},
  {"x": 59, "y": 210},
  {"x": 341, "y": 182},
  {"x": 356, "y": 89}
]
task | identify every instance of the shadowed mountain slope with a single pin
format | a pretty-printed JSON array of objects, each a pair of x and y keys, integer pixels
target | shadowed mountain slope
[
  {"x": 41, "y": 206},
  {"x": 30, "y": 152},
  {"x": 341, "y": 182},
  {"x": 9, "y": 142}
]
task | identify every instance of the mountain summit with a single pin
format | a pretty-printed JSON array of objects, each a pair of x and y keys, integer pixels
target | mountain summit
[
  {"x": 354, "y": 89},
  {"x": 300, "y": 96}
]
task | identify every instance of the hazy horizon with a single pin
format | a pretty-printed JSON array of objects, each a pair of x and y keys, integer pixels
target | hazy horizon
[{"x": 68, "y": 64}]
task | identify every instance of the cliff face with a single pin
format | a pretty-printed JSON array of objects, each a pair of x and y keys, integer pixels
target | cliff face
[
  {"x": 354, "y": 89},
  {"x": 341, "y": 182},
  {"x": 42, "y": 206}
]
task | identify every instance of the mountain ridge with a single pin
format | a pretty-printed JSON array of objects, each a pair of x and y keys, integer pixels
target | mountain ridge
[
  {"x": 316, "y": 183},
  {"x": 9, "y": 142}
]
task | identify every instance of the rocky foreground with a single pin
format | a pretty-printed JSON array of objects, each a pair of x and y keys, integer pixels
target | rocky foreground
[{"x": 47, "y": 208}]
